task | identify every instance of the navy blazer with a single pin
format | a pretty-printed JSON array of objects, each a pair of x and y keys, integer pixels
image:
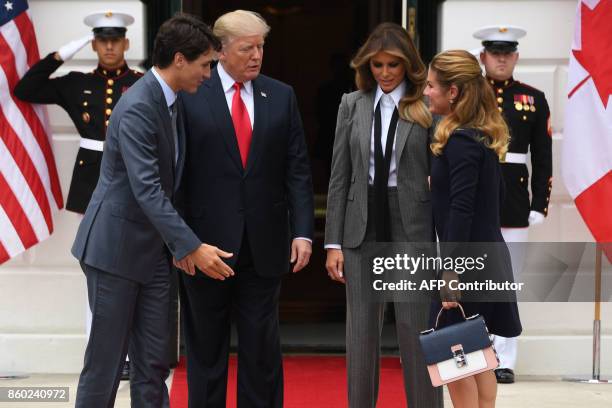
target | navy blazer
[
  {"x": 466, "y": 190},
  {"x": 271, "y": 199}
]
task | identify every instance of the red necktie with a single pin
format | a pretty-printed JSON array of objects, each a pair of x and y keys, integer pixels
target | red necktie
[{"x": 242, "y": 123}]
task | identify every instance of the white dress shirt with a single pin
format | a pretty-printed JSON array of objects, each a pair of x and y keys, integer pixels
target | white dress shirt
[
  {"x": 388, "y": 103},
  {"x": 246, "y": 93},
  {"x": 170, "y": 97}
]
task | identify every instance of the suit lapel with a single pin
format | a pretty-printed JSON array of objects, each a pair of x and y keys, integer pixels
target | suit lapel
[
  {"x": 365, "y": 115},
  {"x": 261, "y": 107},
  {"x": 222, "y": 117},
  {"x": 402, "y": 134},
  {"x": 182, "y": 141},
  {"x": 163, "y": 111}
]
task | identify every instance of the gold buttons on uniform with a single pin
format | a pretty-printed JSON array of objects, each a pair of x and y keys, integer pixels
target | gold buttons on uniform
[
  {"x": 109, "y": 91},
  {"x": 118, "y": 72},
  {"x": 81, "y": 162},
  {"x": 500, "y": 91},
  {"x": 500, "y": 99},
  {"x": 524, "y": 117},
  {"x": 108, "y": 112},
  {"x": 86, "y": 117},
  {"x": 109, "y": 101},
  {"x": 110, "y": 82},
  {"x": 499, "y": 108},
  {"x": 522, "y": 179},
  {"x": 85, "y": 103},
  {"x": 104, "y": 72}
]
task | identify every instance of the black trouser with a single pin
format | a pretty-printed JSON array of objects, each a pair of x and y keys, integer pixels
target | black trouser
[
  {"x": 207, "y": 306},
  {"x": 126, "y": 314}
]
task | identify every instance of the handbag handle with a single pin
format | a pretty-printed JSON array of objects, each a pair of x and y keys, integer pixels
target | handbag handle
[{"x": 442, "y": 309}]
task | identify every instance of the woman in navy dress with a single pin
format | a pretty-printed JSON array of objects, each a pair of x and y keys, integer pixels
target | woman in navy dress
[{"x": 466, "y": 189}]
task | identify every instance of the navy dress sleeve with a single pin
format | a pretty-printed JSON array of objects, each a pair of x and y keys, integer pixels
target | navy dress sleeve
[{"x": 464, "y": 155}]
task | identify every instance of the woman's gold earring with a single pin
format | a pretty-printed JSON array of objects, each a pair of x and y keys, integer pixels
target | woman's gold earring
[{"x": 451, "y": 101}]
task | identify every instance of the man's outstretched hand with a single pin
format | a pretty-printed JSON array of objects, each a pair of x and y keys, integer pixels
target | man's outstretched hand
[{"x": 206, "y": 258}]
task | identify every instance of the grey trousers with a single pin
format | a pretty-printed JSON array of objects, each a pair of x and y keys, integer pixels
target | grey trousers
[
  {"x": 364, "y": 323},
  {"x": 127, "y": 314}
]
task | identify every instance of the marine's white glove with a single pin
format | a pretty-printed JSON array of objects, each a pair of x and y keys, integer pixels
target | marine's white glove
[
  {"x": 535, "y": 218},
  {"x": 68, "y": 51}
]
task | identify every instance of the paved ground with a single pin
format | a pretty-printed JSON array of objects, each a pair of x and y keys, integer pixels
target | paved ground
[{"x": 526, "y": 393}]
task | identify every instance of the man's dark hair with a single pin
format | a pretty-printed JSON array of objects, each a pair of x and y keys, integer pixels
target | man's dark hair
[{"x": 186, "y": 34}]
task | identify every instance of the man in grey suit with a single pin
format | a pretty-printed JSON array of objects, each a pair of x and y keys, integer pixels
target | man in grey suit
[{"x": 131, "y": 229}]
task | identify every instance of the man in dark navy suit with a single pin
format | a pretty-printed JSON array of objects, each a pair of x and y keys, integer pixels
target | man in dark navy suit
[{"x": 248, "y": 189}]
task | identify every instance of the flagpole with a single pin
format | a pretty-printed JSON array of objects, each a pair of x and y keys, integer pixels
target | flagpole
[{"x": 596, "y": 374}]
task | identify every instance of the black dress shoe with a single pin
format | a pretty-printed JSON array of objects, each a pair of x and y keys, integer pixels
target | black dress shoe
[
  {"x": 504, "y": 376},
  {"x": 125, "y": 372}
]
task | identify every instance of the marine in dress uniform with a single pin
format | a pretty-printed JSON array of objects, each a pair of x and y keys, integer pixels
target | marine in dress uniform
[
  {"x": 528, "y": 118},
  {"x": 88, "y": 98}
]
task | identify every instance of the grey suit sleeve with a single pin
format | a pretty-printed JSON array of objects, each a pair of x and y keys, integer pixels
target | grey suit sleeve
[
  {"x": 138, "y": 143},
  {"x": 340, "y": 178}
]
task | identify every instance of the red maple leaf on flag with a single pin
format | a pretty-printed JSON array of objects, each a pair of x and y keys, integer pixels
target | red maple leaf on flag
[{"x": 596, "y": 47}]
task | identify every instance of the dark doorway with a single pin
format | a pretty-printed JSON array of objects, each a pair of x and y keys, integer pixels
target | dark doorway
[{"x": 309, "y": 47}]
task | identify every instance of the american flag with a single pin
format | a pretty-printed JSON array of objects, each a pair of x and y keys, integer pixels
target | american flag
[{"x": 29, "y": 185}]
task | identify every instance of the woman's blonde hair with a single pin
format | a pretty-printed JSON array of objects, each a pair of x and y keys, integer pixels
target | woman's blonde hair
[
  {"x": 474, "y": 107},
  {"x": 394, "y": 40},
  {"x": 239, "y": 23}
]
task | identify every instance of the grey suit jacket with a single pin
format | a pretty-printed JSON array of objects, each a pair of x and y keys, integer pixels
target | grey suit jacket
[
  {"x": 131, "y": 216},
  {"x": 347, "y": 197}
]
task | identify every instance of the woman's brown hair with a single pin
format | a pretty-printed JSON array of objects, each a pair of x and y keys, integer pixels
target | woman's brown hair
[
  {"x": 474, "y": 106},
  {"x": 394, "y": 40}
]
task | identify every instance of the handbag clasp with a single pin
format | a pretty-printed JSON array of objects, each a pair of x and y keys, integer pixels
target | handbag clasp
[{"x": 459, "y": 356}]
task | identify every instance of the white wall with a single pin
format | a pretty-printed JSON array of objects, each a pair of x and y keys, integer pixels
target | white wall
[
  {"x": 42, "y": 292},
  {"x": 557, "y": 337}
]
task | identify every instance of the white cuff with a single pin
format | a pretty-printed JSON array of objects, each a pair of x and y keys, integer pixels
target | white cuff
[
  {"x": 333, "y": 246},
  {"x": 304, "y": 238}
]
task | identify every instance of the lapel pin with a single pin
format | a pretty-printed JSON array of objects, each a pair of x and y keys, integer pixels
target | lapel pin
[{"x": 264, "y": 94}]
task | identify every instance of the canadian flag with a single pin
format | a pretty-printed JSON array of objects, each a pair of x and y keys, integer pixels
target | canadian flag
[{"x": 587, "y": 136}]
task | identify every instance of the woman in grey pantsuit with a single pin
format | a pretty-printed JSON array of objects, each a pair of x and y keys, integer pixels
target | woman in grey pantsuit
[{"x": 378, "y": 192}]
